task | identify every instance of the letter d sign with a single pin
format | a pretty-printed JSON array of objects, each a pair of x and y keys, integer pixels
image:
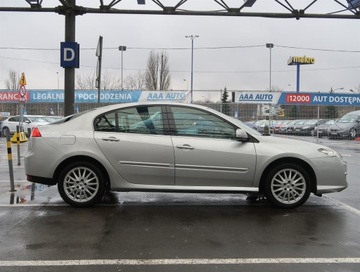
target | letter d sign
[{"x": 69, "y": 55}]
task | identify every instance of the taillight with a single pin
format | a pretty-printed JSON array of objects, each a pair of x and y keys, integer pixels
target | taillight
[{"x": 35, "y": 133}]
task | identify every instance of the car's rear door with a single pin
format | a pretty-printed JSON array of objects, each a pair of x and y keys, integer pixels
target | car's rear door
[{"x": 135, "y": 143}]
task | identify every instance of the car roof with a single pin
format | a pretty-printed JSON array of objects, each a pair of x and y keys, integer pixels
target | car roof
[{"x": 99, "y": 110}]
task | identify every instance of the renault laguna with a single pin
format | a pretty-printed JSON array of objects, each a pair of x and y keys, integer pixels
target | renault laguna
[{"x": 174, "y": 147}]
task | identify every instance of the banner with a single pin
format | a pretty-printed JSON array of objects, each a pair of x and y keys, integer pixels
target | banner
[{"x": 321, "y": 99}]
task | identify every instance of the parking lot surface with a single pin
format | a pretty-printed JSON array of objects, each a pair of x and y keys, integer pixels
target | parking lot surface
[{"x": 177, "y": 232}]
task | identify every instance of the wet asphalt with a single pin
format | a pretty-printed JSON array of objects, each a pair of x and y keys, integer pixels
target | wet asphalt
[{"x": 177, "y": 232}]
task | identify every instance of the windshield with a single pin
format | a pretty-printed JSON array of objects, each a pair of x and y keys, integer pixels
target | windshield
[
  {"x": 311, "y": 122},
  {"x": 348, "y": 118}
]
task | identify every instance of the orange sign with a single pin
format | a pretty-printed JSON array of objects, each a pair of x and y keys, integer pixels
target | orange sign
[{"x": 22, "y": 79}]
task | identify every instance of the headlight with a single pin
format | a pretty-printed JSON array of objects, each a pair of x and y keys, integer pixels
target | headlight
[{"x": 330, "y": 152}]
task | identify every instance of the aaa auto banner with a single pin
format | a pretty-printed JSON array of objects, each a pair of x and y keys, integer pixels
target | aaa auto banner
[
  {"x": 91, "y": 96},
  {"x": 298, "y": 98}
]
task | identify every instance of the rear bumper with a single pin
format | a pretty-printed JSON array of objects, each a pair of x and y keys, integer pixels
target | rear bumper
[{"x": 42, "y": 180}]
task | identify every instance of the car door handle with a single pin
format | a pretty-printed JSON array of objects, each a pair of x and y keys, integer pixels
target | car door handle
[
  {"x": 111, "y": 139},
  {"x": 185, "y": 146}
]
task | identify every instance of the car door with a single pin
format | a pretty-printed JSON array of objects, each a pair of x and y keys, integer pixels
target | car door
[
  {"x": 134, "y": 142},
  {"x": 206, "y": 152}
]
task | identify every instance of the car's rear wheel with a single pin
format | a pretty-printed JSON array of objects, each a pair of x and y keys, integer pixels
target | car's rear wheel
[
  {"x": 81, "y": 184},
  {"x": 352, "y": 133},
  {"x": 287, "y": 186}
]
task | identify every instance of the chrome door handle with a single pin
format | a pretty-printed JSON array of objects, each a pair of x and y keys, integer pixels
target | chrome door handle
[
  {"x": 111, "y": 139},
  {"x": 185, "y": 146}
]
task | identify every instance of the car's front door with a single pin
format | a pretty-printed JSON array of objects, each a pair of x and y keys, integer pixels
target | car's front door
[
  {"x": 206, "y": 152},
  {"x": 134, "y": 142}
]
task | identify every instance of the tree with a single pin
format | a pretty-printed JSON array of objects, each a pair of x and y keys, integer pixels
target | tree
[
  {"x": 157, "y": 75},
  {"x": 135, "y": 82},
  {"x": 87, "y": 82},
  {"x": 13, "y": 82},
  {"x": 225, "y": 103}
]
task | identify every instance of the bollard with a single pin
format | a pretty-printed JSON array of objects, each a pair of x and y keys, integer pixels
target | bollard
[
  {"x": 18, "y": 144},
  {"x": 11, "y": 170}
]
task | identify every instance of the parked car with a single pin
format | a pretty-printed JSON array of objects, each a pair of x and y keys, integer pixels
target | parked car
[
  {"x": 347, "y": 126},
  {"x": 278, "y": 124},
  {"x": 103, "y": 149},
  {"x": 309, "y": 126},
  {"x": 265, "y": 125},
  {"x": 294, "y": 127},
  {"x": 284, "y": 127},
  {"x": 10, "y": 123},
  {"x": 322, "y": 130},
  {"x": 250, "y": 124}
]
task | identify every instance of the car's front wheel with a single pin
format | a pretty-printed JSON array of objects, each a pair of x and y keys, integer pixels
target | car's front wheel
[
  {"x": 81, "y": 184},
  {"x": 352, "y": 133},
  {"x": 287, "y": 186}
]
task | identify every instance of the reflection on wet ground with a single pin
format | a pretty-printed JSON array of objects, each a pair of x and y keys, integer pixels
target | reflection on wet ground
[{"x": 28, "y": 193}]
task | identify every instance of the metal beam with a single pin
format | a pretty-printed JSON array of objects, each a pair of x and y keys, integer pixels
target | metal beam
[{"x": 115, "y": 7}]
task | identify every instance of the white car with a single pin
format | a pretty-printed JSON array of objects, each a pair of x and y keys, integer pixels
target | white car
[
  {"x": 11, "y": 123},
  {"x": 175, "y": 147}
]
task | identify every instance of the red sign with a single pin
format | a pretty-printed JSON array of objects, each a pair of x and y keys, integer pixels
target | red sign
[
  {"x": 12, "y": 96},
  {"x": 298, "y": 98},
  {"x": 22, "y": 93}
]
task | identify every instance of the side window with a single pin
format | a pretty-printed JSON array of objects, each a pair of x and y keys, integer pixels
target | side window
[
  {"x": 142, "y": 119},
  {"x": 106, "y": 122},
  {"x": 194, "y": 122}
]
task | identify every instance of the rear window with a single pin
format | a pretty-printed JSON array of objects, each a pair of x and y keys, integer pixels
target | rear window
[{"x": 70, "y": 117}]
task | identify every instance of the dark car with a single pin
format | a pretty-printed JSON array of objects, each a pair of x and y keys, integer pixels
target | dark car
[
  {"x": 284, "y": 128},
  {"x": 294, "y": 127},
  {"x": 308, "y": 128},
  {"x": 323, "y": 129}
]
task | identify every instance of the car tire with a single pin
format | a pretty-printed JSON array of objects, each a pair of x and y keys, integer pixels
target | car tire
[
  {"x": 287, "y": 186},
  {"x": 4, "y": 131},
  {"x": 81, "y": 184},
  {"x": 352, "y": 133}
]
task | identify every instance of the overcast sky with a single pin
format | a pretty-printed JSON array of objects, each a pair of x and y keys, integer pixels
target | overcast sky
[{"x": 229, "y": 52}]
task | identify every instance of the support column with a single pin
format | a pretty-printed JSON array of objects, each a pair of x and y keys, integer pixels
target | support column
[{"x": 69, "y": 84}]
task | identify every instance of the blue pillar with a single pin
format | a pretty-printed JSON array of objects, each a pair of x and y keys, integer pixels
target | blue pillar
[{"x": 298, "y": 77}]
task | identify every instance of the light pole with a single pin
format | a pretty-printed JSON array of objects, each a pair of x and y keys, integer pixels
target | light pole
[
  {"x": 122, "y": 49},
  {"x": 270, "y": 45},
  {"x": 192, "y": 37},
  {"x": 333, "y": 90}
]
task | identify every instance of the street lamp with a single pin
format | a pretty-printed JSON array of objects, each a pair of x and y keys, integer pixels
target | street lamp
[
  {"x": 122, "y": 49},
  {"x": 270, "y": 45},
  {"x": 34, "y": 3},
  {"x": 192, "y": 37},
  {"x": 333, "y": 90}
]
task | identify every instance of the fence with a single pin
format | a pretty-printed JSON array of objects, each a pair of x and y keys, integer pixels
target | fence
[{"x": 242, "y": 111}]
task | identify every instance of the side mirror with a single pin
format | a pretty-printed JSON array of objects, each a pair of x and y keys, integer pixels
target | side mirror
[{"x": 241, "y": 135}]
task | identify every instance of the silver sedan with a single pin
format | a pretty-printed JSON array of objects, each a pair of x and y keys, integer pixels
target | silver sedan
[{"x": 175, "y": 147}]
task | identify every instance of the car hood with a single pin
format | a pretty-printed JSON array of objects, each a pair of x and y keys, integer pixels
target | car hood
[
  {"x": 279, "y": 145},
  {"x": 342, "y": 125}
]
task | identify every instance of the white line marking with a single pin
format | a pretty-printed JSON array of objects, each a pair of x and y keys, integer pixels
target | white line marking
[
  {"x": 148, "y": 262},
  {"x": 343, "y": 205}
]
